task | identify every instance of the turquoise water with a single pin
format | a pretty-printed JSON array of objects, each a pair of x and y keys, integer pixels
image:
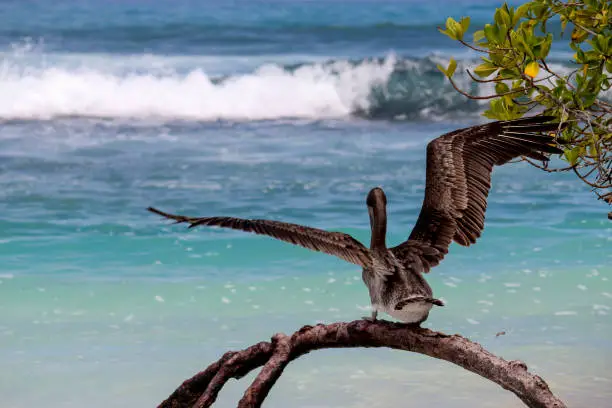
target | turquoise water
[{"x": 289, "y": 111}]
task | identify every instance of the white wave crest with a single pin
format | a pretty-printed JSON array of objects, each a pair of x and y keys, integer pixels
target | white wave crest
[{"x": 270, "y": 92}]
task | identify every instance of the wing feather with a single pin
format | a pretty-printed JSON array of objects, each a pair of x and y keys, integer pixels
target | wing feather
[
  {"x": 458, "y": 180},
  {"x": 334, "y": 243}
]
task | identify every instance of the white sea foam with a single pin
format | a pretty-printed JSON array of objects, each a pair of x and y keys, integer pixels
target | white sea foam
[
  {"x": 566, "y": 313},
  {"x": 40, "y": 85},
  {"x": 270, "y": 92}
]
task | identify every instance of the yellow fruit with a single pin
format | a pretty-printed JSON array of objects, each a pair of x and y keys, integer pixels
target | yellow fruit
[{"x": 532, "y": 69}]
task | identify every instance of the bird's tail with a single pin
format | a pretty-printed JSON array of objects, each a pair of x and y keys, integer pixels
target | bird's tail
[{"x": 402, "y": 303}]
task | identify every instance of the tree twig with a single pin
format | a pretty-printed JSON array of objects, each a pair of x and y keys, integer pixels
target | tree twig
[
  {"x": 462, "y": 92},
  {"x": 484, "y": 81},
  {"x": 201, "y": 390}
]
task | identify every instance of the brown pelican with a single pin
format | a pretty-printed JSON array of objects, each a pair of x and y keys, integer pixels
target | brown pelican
[{"x": 459, "y": 166}]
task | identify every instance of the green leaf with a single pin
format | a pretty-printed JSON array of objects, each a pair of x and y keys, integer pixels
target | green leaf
[
  {"x": 593, "y": 149},
  {"x": 539, "y": 9},
  {"x": 452, "y": 66},
  {"x": 579, "y": 35},
  {"x": 517, "y": 84},
  {"x": 520, "y": 12},
  {"x": 489, "y": 33},
  {"x": 495, "y": 33},
  {"x": 588, "y": 99},
  {"x": 465, "y": 23},
  {"x": 485, "y": 69},
  {"x": 479, "y": 35},
  {"x": 600, "y": 43},
  {"x": 521, "y": 40},
  {"x": 545, "y": 46},
  {"x": 451, "y": 35},
  {"x": 502, "y": 17},
  {"x": 497, "y": 110},
  {"x": 454, "y": 27},
  {"x": 501, "y": 88},
  {"x": 564, "y": 22},
  {"x": 510, "y": 73},
  {"x": 442, "y": 69},
  {"x": 504, "y": 109},
  {"x": 572, "y": 155}
]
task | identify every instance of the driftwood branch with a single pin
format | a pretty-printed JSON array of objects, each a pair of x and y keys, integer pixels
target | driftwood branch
[{"x": 201, "y": 390}]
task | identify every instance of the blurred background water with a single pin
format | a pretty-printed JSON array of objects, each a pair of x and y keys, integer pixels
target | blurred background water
[{"x": 289, "y": 110}]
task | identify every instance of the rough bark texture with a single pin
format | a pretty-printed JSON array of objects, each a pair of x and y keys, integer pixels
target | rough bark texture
[{"x": 201, "y": 390}]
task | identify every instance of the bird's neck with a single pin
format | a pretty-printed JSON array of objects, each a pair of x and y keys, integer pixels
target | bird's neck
[{"x": 379, "y": 228}]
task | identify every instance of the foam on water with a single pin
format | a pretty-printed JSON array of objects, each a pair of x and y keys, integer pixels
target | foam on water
[
  {"x": 40, "y": 85},
  {"x": 270, "y": 92}
]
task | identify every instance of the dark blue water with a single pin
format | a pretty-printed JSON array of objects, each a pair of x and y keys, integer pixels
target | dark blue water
[
  {"x": 237, "y": 27},
  {"x": 289, "y": 110}
]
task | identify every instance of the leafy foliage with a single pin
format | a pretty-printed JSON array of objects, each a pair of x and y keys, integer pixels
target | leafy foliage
[{"x": 515, "y": 47}]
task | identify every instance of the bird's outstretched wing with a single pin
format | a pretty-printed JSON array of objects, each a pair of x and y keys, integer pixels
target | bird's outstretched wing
[
  {"x": 459, "y": 166},
  {"x": 334, "y": 243}
]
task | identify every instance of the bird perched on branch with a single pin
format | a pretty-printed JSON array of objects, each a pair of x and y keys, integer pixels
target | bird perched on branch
[{"x": 459, "y": 166}]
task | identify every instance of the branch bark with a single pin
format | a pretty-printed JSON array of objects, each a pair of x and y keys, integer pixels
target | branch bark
[{"x": 201, "y": 390}]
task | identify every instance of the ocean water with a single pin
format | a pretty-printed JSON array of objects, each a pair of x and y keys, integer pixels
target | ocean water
[{"x": 289, "y": 110}]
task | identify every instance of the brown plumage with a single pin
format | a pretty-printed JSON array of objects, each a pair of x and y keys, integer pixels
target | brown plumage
[
  {"x": 459, "y": 166},
  {"x": 334, "y": 243}
]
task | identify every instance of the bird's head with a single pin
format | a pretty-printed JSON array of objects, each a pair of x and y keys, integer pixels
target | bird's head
[
  {"x": 376, "y": 197},
  {"x": 377, "y": 202}
]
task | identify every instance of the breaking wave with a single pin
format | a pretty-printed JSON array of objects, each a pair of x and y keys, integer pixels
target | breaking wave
[{"x": 384, "y": 88}]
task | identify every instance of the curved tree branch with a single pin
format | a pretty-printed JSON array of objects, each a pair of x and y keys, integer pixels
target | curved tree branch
[{"x": 201, "y": 390}]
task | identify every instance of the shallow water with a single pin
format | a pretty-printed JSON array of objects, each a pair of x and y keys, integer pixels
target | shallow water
[{"x": 104, "y": 304}]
